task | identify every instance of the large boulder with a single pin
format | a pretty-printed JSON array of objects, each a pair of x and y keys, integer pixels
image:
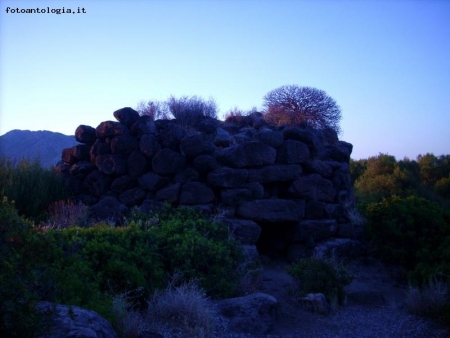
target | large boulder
[
  {"x": 222, "y": 138},
  {"x": 123, "y": 145},
  {"x": 273, "y": 138},
  {"x": 187, "y": 175},
  {"x": 167, "y": 161},
  {"x": 235, "y": 196},
  {"x": 137, "y": 164},
  {"x": 100, "y": 147},
  {"x": 254, "y": 314},
  {"x": 64, "y": 321},
  {"x": 292, "y": 151},
  {"x": 271, "y": 210},
  {"x": 81, "y": 152},
  {"x": 196, "y": 144},
  {"x": 85, "y": 134},
  {"x": 316, "y": 230},
  {"x": 67, "y": 156},
  {"x": 170, "y": 135},
  {"x": 205, "y": 163},
  {"x": 170, "y": 194},
  {"x": 152, "y": 182},
  {"x": 196, "y": 193},
  {"x": 143, "y": 125},
  {"x": 98, "y": 183},
  {"x": 82, "y": 168},
  {"x": 149, "y": 145},
  {"x": 312, "y": 138},
  {"x": 132, "y": 196},
  {"x": 275, "y": 173},
  {"x": 247, "y": 154},
  {"x": 108, "y": 208},
  {"x": 110, "y": 129},
  {"x": 111, "y": 164},
  {"x": 123, "y": 183},
  {"x": 313, "y": 187},
  {"x": 227, "y": 177},
  {"x": 245, "y": 231},
  {"x": 127, "y": 116},
  {"x": 340, "y": 151}
]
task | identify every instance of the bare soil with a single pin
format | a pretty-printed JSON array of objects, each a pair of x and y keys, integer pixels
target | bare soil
[{"x": 374, "y": 307}]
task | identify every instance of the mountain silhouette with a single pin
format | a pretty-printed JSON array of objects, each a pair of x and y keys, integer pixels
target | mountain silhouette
[{"x": 43, "y": 145}]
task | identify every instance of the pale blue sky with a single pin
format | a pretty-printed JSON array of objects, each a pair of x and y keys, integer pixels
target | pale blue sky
[{"x": 386, "y": 63}]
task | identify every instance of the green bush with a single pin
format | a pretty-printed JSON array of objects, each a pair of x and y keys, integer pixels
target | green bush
[
  {"x": 104, "y": 259},
  {"x": 23, "y": 273},
  {"x": 88, "y": 266},
  {"x": 199, "y": 249},
  {"x": 31, "y": 187},
  {"x": 412, "y": 232},
  {"x": 315, "y": 275}
]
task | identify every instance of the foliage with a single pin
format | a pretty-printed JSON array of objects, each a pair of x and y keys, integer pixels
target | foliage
[
  {"x": 105, "y": 259},
  {"x": 31, "y": 187},
  {"x": 431, "y": 300},
  {"x": 66, "y": 213},
  {"x": 315, "y": 275},
  {"x": 22, "y": 273},
  {"x": 187, "y": 110},
  {"x": 154, "y": 109},
  {"x": 412, "y": 232},
  {"x": 198, "y": 248},
  {"x": 294, "y": 105},
  {"x": 185, "y": 306}
]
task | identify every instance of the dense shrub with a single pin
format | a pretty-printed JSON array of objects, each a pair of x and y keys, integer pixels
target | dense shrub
[
  {"x": 187, "y": 110},
  {"x": 199, "y": 249},
  {"x": 111, "y": 260},
  {"x": 314, "y": 275},
  {"x": 411, "y": 232},
  {"x": 31, "y": 187},
  {"x": 23, "y": 273}
]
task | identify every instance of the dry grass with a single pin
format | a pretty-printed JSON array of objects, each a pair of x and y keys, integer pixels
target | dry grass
[
  {"x": 185, "y": 306},
  {"x": 66, "y": 213},
  {"x": 430, "y": 300},
  {"x": 128, "y": 322}
]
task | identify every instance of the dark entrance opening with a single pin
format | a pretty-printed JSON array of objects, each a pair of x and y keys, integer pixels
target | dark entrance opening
[{"x": 275, "y": 238}]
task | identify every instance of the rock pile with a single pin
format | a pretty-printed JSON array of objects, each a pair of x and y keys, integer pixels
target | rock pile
[{"x": 283, "y": 188}]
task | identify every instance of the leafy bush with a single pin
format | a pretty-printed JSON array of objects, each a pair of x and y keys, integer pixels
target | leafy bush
[
  {"x": 23, "y": 273},
  {"x": 31, "y": 187},
  {"x": 108, "y": 259},
  {"x": 411, "y": 232},
  {"x": 199, "y": 249},
  {"x": 315, "y": 275}
]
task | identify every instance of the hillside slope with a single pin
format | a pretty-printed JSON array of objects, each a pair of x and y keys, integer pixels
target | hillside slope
[{"x": 44, "y": 145}]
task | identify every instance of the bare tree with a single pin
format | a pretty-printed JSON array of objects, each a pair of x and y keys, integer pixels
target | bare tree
[
  {"x": 154, "y": 109},
  {"x": 294, "y": 105}
]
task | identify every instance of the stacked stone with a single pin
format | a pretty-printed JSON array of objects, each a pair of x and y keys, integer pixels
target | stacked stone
[{"x": 290, "y": 182}]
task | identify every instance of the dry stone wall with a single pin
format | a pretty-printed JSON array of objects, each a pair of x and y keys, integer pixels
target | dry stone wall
[{"x": 283, "y": 188}]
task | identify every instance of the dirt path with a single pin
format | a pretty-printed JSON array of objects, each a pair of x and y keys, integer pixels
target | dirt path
[{"x": 374, "y": 307}]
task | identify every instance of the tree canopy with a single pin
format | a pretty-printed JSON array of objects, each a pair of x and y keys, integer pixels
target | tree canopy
[{"x": 294, "y": 105}]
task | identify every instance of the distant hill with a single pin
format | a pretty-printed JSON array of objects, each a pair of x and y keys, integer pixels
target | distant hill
[{"x": 44, "y": 145}]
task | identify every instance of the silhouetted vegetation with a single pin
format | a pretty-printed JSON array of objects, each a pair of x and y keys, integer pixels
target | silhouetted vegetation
[
  {"x": 407, "y": 207},
  {"x": 293, "y": 105},
  {"x": 186, "y": 109},
  {"x": 31, "y": 187}
]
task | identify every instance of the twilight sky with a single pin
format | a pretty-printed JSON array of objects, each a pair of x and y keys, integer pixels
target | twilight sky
[{"x": 386, "y": 63}]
